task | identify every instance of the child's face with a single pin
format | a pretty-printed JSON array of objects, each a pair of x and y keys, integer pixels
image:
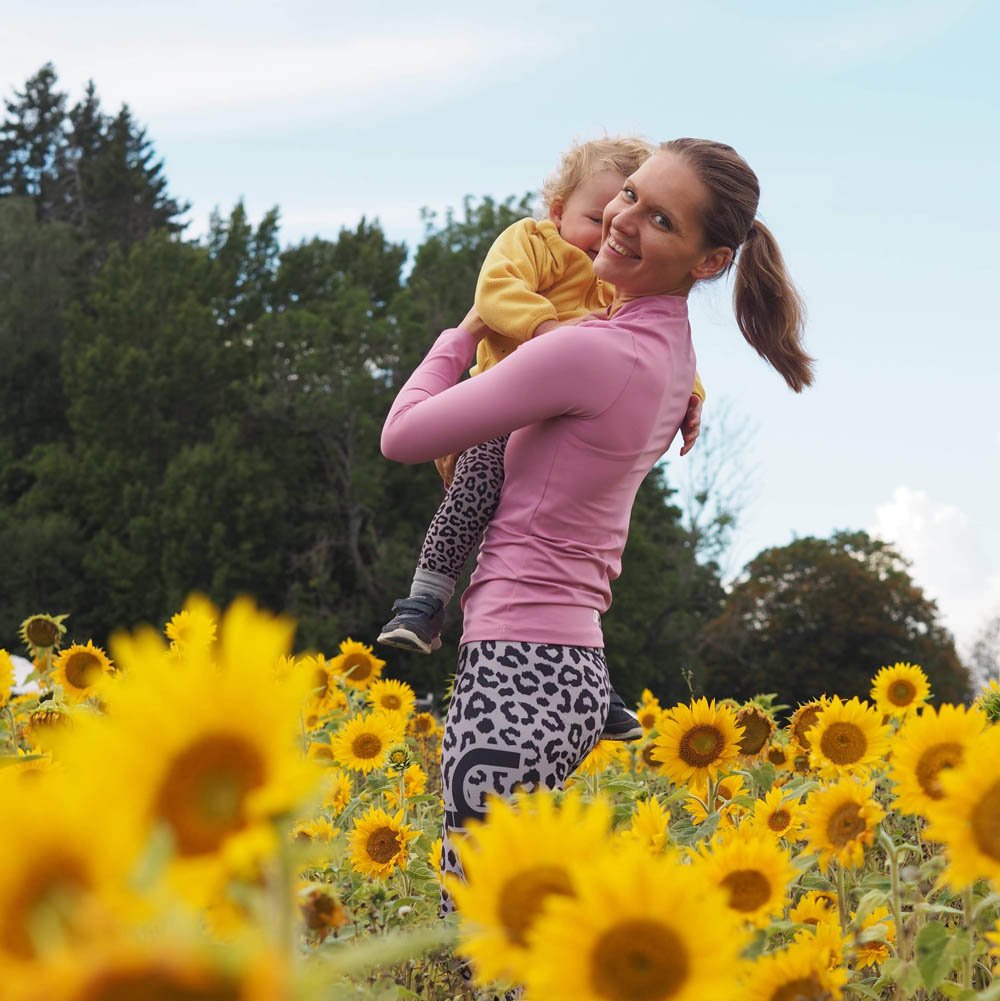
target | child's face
[{"x": 578, "y": 218}]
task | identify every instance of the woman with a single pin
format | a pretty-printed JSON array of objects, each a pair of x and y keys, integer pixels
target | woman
[{"x": 590, "y": 409}]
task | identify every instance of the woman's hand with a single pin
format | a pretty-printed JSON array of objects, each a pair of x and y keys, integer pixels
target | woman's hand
[{"x": 691, "y": 425}]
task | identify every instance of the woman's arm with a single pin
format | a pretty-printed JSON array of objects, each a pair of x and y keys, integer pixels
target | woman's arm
[{"x": 547, "y": 377}]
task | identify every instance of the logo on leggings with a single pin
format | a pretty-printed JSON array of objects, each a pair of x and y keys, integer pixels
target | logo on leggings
[{"x": 494, "y": 762}]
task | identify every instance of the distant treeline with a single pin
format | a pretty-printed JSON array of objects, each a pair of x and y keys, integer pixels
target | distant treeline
[{"x": 181, "y": 415}]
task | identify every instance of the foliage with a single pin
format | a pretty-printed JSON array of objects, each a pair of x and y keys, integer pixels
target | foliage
[{"x": 813, "y": 617}]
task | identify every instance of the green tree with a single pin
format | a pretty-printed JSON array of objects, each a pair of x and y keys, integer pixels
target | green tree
[{"x": 822, "y": 616}]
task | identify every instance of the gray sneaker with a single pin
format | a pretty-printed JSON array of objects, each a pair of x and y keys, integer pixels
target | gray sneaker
[{"x": 416, "y": 624}]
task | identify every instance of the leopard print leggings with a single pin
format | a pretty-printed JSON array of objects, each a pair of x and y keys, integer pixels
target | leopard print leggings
[
  {"x": 466, "y": 509},
  {"x": 521, "y": 715}
]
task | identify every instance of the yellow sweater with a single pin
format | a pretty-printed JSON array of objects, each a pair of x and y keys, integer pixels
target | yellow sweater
[{"x": 530, "y": 275}]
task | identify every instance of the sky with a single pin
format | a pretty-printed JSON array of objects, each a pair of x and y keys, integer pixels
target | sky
[{"x": 874, "y": 128}]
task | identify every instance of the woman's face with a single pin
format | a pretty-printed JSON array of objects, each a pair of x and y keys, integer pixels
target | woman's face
[{"x": 653, "y": 237}]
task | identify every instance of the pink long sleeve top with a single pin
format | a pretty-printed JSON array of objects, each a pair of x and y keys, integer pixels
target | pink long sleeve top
[{"x": 590, "y": 409}]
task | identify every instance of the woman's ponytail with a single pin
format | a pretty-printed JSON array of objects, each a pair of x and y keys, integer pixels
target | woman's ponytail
[{"x": 769, "y": 310}]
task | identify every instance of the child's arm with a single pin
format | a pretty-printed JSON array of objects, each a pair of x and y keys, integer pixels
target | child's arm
[{"x": 507, "y": 298}]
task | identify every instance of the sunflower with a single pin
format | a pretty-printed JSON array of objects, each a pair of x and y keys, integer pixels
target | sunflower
[
  {"x": 392, "y": 696},
  {"x": 777, "y": 814},
  {"x": 321, "y": 912},
  {"x": 42, "y": 633},
  {"x": 757, "y": 729},
  {"x": 514, "y": 861},
  {"x": 363, "y": 742},
  {"x": 380, "y": 843},
  {"x": 6, "y": 676},
  {"x": 988, "y": 700},
  {"x": 639, "y": 927},
  {"x": 192, "y": 630},
  {"x": 319, "y": 750},
  {"x": 649, "y": 825},
  {"x": 848, "y": 738},
  {"x": 606, "y": 754},
  {"x": 927, "y": 744},
  {"x": 423, "y": 726},
  {"x": 172, "y": 971},
  {"x": 65, "y": 866},
  {"x": 338, "y": 790},
  {"x": 697, "y": 742},
  {"x": 799, "y": 972},
  {"x": 815, "y": 907},
  {"x": 648, "y": 711},
  {"x": 803, "y": 720},
  {"x": 324, "y": 682},
  {"x": 777, "y": 754},
  {"x": 899, "y": 689},
  {"x": 840, "y": 821},
  {"x": 209, "y": 754},
  {"x": 356, "y": 663},
  {"x": 414, "y": 783},
  {"x": 434, "y": 856},
  {"x": 752, "y": 870},
  {"x": 643, "y": 752},
  {"x": 870, "y": 950},
  {"x": 726, "y": 801},
  {"x": 967, "y": 820},
  {"x": 81, "y": 670}
]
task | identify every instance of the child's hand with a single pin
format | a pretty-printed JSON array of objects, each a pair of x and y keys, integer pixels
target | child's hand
[
  {"x": 691, "y": 425},
  {"x": 474, "y": 325},
  {"x": 446, "y": 468}
]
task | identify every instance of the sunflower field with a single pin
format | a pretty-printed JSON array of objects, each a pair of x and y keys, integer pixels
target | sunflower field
[{"x": 200, "y": 814}]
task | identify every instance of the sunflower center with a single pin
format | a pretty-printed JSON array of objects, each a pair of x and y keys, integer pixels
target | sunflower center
[
  {"x": 985, "y": 822},
  {"x": 83, "y": 669},
  {"x": 382, "y": 845},
  {"x": 647, "y": 756},
  {"x": 321, "y": 681},
  {"x": 700, "y": 746},
  {"x": 749, "y": 889},
  {"x": 647, "y": 719},
  {"x": 638, "y": 960},
  {"x": 357, "y": 667},
  {"x": 935, "y": 760},
  {"x": 391, "y": 702},
  {"x": 902, "y": 692},
  {"x": 800, "y": 989},
  {"x": 42, "y": 633},
  {"x": 779, "y": 820},
  {"x": 366, "y": 745},
  {"x": 845, "y": 824},
  {"x": 843, "y": 743},
  {"x": 523, "y": 895},
  {"x": 421, "y": 724},
  {"x": 777, "y": 756},
  {"x": 48, "y": 897},
  {"x": 756, "y": 731},
  {"x": 160, "y": 985},
  {"x": 203, "y": 795},
  {"x": 805, "y": 722}
]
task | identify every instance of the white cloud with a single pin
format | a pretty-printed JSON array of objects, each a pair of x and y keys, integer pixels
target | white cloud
[
  {"x": 222, "y": 83},
  {"x": 948, "y": 558}
]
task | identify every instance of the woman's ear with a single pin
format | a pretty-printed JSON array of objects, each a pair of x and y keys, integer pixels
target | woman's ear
[
  {"x": 556, "y": 207},
  {"x": 718, "y": 260}
]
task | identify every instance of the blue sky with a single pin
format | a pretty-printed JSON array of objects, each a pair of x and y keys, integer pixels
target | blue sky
[{"x": 874, "y": 129}]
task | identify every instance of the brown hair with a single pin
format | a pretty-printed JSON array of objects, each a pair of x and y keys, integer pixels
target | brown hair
[
  {"x": 769, "y": 310},
  {"x": 626, "y": 154}
]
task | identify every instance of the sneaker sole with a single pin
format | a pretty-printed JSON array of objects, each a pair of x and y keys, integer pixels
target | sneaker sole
[
  {"x": 404, "y": 639},
  {"x": 632, "y": 734}
]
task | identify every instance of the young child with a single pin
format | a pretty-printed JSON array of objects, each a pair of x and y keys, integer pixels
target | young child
[{"x": 536, "y": 277}]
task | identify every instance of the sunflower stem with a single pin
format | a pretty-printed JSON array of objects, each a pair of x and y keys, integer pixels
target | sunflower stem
[
  {"x": 282, "y": 893},
  {"x": 969, "y": 922},
  {"x": 896, "y": 896},
  {"x": 841, "y": 897}
]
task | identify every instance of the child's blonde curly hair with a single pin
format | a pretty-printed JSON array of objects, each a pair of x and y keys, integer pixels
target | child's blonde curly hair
[{"x": 622, "y": 153}]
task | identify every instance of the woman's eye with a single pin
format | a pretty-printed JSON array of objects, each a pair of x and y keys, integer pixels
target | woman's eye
[
  {"x": 661, "y": 220},
  {"x": 629, "y": 194}
]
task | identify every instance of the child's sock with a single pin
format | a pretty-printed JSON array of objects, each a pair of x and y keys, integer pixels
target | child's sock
[{"x": 437, "y": 585}]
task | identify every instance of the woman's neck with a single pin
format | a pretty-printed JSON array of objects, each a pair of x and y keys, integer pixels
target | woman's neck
[{"x": 620, "y": 298}]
